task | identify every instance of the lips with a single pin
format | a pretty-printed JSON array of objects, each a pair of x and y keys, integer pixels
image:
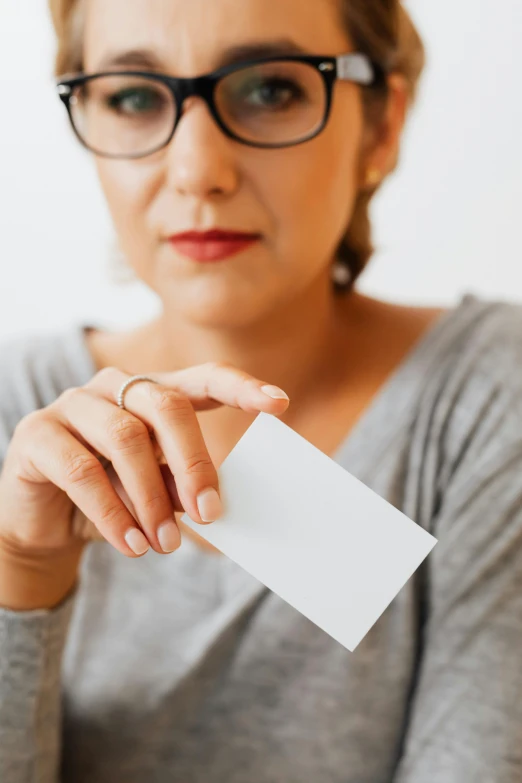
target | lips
[
  {"x": 213, "y": 245},
  {"x": 214, "y": 235}
]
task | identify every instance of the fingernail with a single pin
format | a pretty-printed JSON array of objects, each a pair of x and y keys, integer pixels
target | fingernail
[
  {"x": 209, "y": 505},
  {"x": 136, "y": 541},
  {"x": 168, "y": 536},
  {"x": 275, "y": 392}
]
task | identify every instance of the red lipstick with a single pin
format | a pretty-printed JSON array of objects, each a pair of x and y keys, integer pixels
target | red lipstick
[{"x": 214, "y": 245}]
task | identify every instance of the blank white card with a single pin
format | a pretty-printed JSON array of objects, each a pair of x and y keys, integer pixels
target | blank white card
[{"x": 311, "y": 532}]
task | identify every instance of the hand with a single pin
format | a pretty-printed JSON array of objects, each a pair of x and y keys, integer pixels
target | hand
[{"x": 55, "y": 465}]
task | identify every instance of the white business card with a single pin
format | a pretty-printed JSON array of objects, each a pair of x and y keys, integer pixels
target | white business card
[{"x": 311, "y": 532}]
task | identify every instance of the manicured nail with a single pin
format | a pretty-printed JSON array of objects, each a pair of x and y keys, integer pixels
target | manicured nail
[
  {"x": 275, "y": 392},
  {"x": 136, "y": 541},
  {"x": 209, "y": 505},
  {"x": 169, "y": 536}
]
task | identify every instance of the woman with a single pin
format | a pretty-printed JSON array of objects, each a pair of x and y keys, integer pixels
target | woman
[{"x": 186, "y": 668}]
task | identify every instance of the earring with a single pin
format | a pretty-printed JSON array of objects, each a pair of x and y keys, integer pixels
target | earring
[
  {"x": 341, "y": 274},
  {"x": 373, "y": 177}
]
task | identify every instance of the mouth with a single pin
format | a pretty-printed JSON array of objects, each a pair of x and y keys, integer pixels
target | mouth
[{"x": 214, "y": 245}]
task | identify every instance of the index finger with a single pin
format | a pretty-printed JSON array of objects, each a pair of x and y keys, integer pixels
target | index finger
[{"x": 206, "y": 385}]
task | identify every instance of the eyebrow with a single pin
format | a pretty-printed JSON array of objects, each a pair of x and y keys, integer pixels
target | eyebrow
[{"x": 147, "y": 59}]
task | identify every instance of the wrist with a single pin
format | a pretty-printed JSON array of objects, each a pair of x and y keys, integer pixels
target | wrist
[{"x": 29, "y": 582}]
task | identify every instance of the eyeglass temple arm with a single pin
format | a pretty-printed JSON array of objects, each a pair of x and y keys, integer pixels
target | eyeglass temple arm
[{"x": 355, "y": 67}]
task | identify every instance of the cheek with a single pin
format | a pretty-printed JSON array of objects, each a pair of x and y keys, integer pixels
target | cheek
[
  {"x": 310, "y": 189},
  {"x": 127, "y": 189}
]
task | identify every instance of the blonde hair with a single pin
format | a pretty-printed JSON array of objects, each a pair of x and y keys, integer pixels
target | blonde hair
[{"x": 382, "y": 29}]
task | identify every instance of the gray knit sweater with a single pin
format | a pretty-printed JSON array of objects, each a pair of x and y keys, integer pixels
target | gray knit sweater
[{"x": 183, "y": 668}]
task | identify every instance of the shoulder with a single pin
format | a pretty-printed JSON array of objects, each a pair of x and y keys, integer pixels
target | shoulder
[
  {"x": 463, "y": 393},
  {"x": 473, "y": 401},
  {"x": 484, "y": 363},
  {"x": 493, "y": 343}
]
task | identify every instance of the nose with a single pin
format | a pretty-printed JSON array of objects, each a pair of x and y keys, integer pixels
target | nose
[{"x": 200, "y": 159}]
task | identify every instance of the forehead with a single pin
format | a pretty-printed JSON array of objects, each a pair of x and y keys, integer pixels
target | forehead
[{"x": 190, "y": 36}]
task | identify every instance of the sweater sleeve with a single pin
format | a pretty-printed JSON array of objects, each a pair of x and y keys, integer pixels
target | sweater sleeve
[
  {"x": 31, "y": 651},
  {"x": 31, "y": 642},
  {"x": 465, "y": 719}
]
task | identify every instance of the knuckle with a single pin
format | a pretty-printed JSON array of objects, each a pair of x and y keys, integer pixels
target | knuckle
[
  {"x": 26, "y": 422},
  {"x": 199, "y": 463},
  {"x": 230, "y": 368},
  {"x": 250, "y": 384},
  {"x": 82, "y": 469},
  {"x": 107, "y": 372},
  {"x": 66, "y": 395},
  {"x": 213, "y": 366},
  {"x": 247, "y": 380},
  {"x": 155, "y": 501},
  {"x": 104, "y": 378},
  {"x": 124, "y": 430},
  {"x": 32, "y": 422},
  {"x": 170, "y": 401},
  {"x": 111, "y": 513}
]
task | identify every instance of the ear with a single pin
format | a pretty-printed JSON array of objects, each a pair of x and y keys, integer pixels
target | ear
[{"x": 383, "y": 154}]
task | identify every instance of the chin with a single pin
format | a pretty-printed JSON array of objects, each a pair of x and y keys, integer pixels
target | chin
[{"x": 220, "y": 308}]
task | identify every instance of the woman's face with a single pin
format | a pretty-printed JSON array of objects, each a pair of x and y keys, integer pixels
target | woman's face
[{"x": 300, "y": 199}]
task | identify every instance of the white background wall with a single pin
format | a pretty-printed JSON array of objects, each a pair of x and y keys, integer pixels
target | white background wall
[{"x": 445, "y": 223}]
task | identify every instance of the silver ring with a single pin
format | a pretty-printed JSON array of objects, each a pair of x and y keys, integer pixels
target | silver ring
[{"x": 127, "y": 383}]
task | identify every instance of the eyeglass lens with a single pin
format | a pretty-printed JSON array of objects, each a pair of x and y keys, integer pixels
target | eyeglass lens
[{"x": 277, "y": 102}]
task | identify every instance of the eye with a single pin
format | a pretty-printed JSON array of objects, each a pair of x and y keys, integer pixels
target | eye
[
  {"x": 273, "y": 93},
  {"x": 135, "y": 100}
]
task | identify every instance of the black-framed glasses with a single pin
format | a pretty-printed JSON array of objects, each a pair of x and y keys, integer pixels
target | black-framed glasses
[{"x": 268, "y": 102}]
